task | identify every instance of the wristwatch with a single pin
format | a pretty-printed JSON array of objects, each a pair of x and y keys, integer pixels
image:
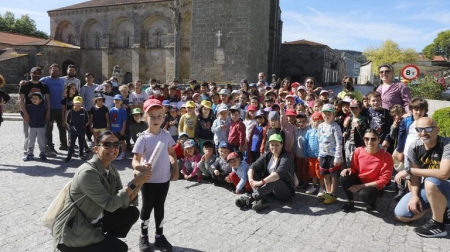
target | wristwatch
[
  {"x": 131, "y": 185},
  {"x": 408, "y": 170}
]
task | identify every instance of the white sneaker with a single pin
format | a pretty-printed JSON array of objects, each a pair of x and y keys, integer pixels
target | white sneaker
[
  {"x": 120, "y": 157},
  {"x": 312, "y": 189},
  {"x": 321, "y": 192}
]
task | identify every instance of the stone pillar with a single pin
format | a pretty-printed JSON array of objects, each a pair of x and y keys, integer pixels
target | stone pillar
[
  {"x": 107, "y": 62},
  {"x": 135, "y": 59}
]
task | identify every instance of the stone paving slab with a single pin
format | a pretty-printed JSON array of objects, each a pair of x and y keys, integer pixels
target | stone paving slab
[{"x": 200, "y": 217}]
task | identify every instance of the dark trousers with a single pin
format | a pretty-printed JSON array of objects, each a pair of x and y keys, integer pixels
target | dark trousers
[
  {"x": 88, "y": 132},
  {"x": 153, "y": 197},
  {"x": 279, "y": 189},
  {"x": 73, "y": 138},
  {"x": 367, "y": 194},
  {"x": 55, "y": 115},
  {"x": 115, "y": 224}
]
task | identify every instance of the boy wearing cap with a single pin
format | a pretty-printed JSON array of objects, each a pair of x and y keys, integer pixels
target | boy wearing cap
[
  {"x": 118, "y": 118},
  {"x": 220, "y": 169},
  {"x": 137, "y": 125},
  {"x": 36, "y": 122},
  {"x": 236, "y": 136},
  {"x": 330, "y": 152},
  {"x": 76, "y": 122},
  {"x": 238, "y": 176},
  {"x": 188, "y": 121},
  {"x": 353, "y": 134}
]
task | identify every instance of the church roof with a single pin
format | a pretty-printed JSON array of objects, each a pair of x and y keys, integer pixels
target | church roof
[
  {"x": 10, "y": 54},
  {"x": 50, "y": 42},
  {"x": 102, "y": 3},
  {"x": 15, "y": 39},
  {"x": 303, "y": 42}
]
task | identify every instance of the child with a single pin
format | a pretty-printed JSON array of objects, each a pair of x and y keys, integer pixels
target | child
[
  {"x": 192, "y": 156},
  {"x": 249, "y": 121},
  {"x": 257, "y": 136},
  {"x": 330, "y": 152},
  {"x": 275, "y": 128},
  {"x": 70, "y": 91},
  {"x": 99, "y": 116},
  {"x": 291, "y": 116},
  {"x": 171, "y": 122},
  {"x": 106, "y": 90},
  {"x": 207, "y": 160},
  {"x": 288, "y": 129},
  {"x": 311, "y": 153},
  {"x": 221, "y": 126},
  {"x": 238, "y": 176},
  {"x": 36, "y": 111},
  {"x": 301, "y": 162},
  {"x": 339, "y": 116},
  {"x": 179, "y": 149},
  {"x": 357, "y": 125},
  {"x": 220, "y": 169},
  {"x": 205, "y": 121},
  {"x": 318, "y": 104},
  {"x": 300, "y": 108},
  {"x": 188, "y": 121},
  {"x": 76, "y": 121},
  {"x": 154, "y": 192},
  {"x": 137, "y": 125},
  {"x": 397, "y": 112},
  {"x": 118, "y": 117},
  {"x": 236, "y": 135},
  {"x": 290, "y": 102},
  {"x": 379, "y": 119},
  {"x": 157, "y": 93}
]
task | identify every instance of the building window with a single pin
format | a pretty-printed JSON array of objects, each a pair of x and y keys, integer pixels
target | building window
[
  {"x": 127, "y": 40},
  {"x": 97, "y": 41},
  {"x": 158, "y": 38},
  {"x": 70, "y": 39}
]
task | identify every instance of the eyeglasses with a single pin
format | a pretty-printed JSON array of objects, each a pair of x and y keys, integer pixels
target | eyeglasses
[
  {"x": 385, "y": 72},
  {"x": 372, "y": 139},
  {"x": 108, "y": 145},
  {"x": 427, "y": 129}
]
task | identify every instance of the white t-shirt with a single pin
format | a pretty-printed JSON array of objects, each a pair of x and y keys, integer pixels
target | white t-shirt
[
  {"x": 146, "y": 143},
  {"x": 135, "y": 98}
]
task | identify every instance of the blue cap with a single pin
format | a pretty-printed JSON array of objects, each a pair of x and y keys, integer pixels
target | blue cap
[
  {"x": 260, "y": 113},
  {"x": 223, "y": 144},
  {"x": 166, "y": 103},
  {"x": 118, "y": 97}
]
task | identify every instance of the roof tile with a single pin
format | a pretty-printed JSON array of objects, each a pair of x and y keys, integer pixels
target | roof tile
[{"x": 101, "y": 3}]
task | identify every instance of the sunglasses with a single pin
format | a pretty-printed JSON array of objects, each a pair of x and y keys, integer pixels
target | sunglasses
[
  {"x": 372, "y": 139},
  {"x": 385, "y": 72},
  {"x": 427, "y": 129},
  {"x": 108, "y": 145}
]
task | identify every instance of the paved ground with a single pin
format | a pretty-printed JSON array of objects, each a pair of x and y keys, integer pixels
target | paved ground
[{"x": 200, "y": 217}]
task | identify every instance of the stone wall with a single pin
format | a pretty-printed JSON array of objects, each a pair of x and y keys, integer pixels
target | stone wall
[{"x": 15, "y": 69}]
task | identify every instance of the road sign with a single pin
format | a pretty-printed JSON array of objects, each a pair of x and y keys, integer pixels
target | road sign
[{"x": 410, "y": 72}]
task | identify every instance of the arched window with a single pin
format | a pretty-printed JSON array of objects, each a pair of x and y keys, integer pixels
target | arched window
[
  {"x": 70, "y": 39},
  {"x": 127, "y": 40},
  {"x": 158, "y": 38},
  {"x": 97, "y": 41}
]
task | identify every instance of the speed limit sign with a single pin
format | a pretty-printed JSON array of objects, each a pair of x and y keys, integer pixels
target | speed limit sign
[{"x": 410, "y": 72}]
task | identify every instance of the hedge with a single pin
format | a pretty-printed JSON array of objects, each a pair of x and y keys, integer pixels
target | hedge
[{"x": 442, "y": 117}]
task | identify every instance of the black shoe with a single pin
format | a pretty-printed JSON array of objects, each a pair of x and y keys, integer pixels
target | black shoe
[
  {"x": 348, "y": 207},
  {"x": 144, "y": 245},
  {"x": 431, "y": 229},
  {"x": 63, "y": 148},
  {"x": 400, "y": 194},
  {"x": 87, "y": 150},
  {"x": 447, "y": 216},
  {"x": 162, "y": 244},
  {"x": 244, "y": 201},
  {"x": 68, "y": 158},
  {"x": 371, "y": 206},
  {"x": 261, "y": 204},
  {"x": 82, "y": 157}
]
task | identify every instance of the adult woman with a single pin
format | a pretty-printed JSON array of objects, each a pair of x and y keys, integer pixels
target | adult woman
[
  {"x": 392, "y": 93},
  {"x": 309, "y": 84},
  {"x": 349, "y": 90},
  {"x": 97, "y": 203},
  {"x": 273, "y": 173},
  {"x": 370, "y": 171},
  {"x": 285, "y": 84}
]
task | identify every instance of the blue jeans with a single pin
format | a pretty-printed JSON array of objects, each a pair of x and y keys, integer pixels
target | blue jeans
[{"x": 443, "y": 186}]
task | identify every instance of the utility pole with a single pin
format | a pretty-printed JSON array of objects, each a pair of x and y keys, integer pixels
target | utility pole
[{"x": 177, "y": 22}]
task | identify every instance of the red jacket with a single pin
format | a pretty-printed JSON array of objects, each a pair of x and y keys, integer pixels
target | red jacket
[{"x": 236, "y": 135}]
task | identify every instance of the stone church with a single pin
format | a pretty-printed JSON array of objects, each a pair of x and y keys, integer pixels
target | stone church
[{"x": 212, "y": 40}]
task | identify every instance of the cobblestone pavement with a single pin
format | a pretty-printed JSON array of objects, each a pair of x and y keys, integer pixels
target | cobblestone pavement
[{"x": 200, "y": 217}]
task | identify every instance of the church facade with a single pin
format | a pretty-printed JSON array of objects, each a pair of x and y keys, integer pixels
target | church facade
[{"x": 212, "y": 40}]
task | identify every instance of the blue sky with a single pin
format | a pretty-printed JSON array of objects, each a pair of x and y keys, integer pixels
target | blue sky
[{"x": 354, "y": 25}]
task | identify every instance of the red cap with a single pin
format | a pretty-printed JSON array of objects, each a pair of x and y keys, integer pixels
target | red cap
[
  {"x": 251, "y": 108},
  {"x": 295, "y": 85},
  {"x": 291, "y": 112},
  {"x": 150, "y": 103},
  {"x": 231, "y": 156},
  {"x": 317, "y": 116}
]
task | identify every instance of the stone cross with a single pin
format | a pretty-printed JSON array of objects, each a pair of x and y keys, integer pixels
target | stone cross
[{"x": 218, "y": 35}]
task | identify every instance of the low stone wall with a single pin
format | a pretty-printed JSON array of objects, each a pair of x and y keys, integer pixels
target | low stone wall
[
  {"x": 13, "y": 105},
  {"x": 434, "y": 105}
]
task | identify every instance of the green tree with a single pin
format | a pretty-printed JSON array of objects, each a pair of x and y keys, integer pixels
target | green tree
[
  {"x": 389, "y": 52},
  {"x": 439, "y": 47},
  {"x": 24, "y": 25}
]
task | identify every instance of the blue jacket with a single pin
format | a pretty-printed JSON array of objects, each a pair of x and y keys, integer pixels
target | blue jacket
[
  {"x": 403, "y": 129},
  {"x": 242, "y": 174}
]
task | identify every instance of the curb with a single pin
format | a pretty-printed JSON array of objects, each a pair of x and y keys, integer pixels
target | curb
[{"x": 12, "y": 117}]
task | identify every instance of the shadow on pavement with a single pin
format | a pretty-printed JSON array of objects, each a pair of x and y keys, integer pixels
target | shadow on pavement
[
  {"x": 184, "y": 249},
  {"x": 38, "y": 170}
]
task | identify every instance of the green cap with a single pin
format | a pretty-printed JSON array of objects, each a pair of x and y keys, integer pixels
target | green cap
[
  {"x": 136, "y": 111},
  {"x": 275, "y": 137}
]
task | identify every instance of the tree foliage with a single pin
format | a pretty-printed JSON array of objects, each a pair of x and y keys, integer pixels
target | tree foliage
[
  {"x": 389, "y": 52},
  {"x": 439, "y": 47},
  {"x": 23, "y": 25}
]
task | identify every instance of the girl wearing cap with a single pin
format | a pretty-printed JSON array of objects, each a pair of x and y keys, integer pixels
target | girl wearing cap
[
  {"x": 137, "y": 125},
  {"x": 273, "y": 173},
  {"x": 155, "y": 190},
  {"x": 205, "y": 121},
  {"x": 192, "y": 157},
  {"x": 98, "y": 116},
  {"x": 188, "y": 122}
]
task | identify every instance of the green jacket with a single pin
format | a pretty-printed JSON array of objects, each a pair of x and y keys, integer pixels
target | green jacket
[{"x": 94, "y": 191}]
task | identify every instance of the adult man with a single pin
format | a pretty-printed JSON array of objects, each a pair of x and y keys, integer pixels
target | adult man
[
  {"x": 32, "y": 86},
  {"x": 429, "y": 158},
  {"x": 262, "y": 78},
  {"x": 56, "y": 88},
  {"x": 70, "y": 77},
  {"x": 87, "y": 92}
]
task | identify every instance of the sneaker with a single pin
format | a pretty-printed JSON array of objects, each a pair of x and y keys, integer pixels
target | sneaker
[
  {"x": 63, "y": 148},
  {"x": 49, "y": 152},
  {"x": 312, "y": 189},
  {"x": 42, "y": 156},
  {"x": 68, "y": 158},
  {"x": 431, "y": 229},
  {"x": 371, "y": 206},
  {"x": 321, "y": 193},
  {"x": 348, "y": 207},
  {"x": 87, "y": 150},
  {"x": 244, "y": 201},
  {"x": 447, "y": 216},
  {"x": 28, "y": 157},
  {"x": 329, "y": 199},
  {"x": 162, "y": 244},
  {"x": 144, "y": 245},
  {"x": 261, "y": 204},
  {"x": 52, "y": 149},
  {"x": 82, "y": 157},
  {"x": 120, "y": 157}
]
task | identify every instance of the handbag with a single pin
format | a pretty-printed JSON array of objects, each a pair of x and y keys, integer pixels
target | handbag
[{"x": 55, "y": 207}]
